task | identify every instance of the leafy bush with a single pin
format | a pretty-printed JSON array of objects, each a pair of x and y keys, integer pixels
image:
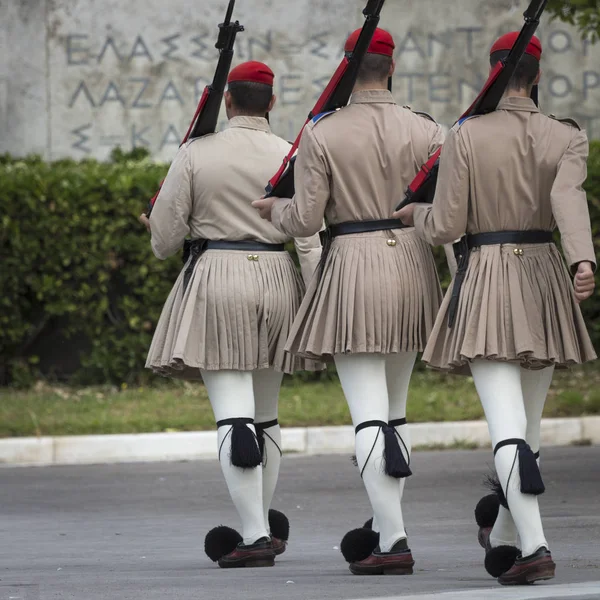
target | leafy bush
[
  {"x": 585, "y": 14},
  {"x": 81, "y": 290},
  {"x": 76, "y": 264}
]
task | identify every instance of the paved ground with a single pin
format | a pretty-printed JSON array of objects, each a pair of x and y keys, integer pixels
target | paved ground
[{"x": 135, "y": 532}]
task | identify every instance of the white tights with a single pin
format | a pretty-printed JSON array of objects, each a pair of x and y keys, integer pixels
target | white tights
[
  {"x": 513, "y": 401},
  {"x": 254, "y": 395},
  {"x": 376, "y": 388}
]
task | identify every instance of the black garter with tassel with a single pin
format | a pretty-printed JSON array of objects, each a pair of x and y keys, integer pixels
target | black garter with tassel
[
  {"x": 245, "y": 452},
  {"x": 529, "y": 472},
  {"x": 395, "y": 463}
]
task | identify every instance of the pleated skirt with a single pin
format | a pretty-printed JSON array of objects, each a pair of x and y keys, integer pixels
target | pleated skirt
[
  {"x": 514, "y": 308},
  {"x": 235, "y": 314},
  {"x": 379, "y": 293}
]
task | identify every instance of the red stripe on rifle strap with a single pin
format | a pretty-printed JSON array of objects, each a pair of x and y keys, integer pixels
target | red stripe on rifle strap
[
  {"x": 318, "y": 109},
  {"x": 196, "y": 114}
]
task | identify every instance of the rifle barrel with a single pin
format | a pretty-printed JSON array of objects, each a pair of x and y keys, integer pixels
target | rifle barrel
[
  {"x": 534, "y": 10},
  {"x": 229, "y": 12},
  {"x": 373, "y": 7}
]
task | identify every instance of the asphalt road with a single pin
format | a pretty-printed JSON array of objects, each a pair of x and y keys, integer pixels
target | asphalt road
[{"x": 136, "y": 532}]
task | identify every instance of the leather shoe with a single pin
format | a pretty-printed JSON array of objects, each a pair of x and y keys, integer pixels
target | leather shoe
[
  {"x": 399, "y": 561},
  {"x": 259, "y": 554},
  {"x": 279, "y": 546},
  {"x": 529, "y": 569}
]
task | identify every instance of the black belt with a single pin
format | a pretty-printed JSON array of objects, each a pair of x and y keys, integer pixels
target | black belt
[
  {"x": 195, "y": 249},
  {"x": 364, "y": 226},
  {"x": 463, "y": 248},
  {"x": 350, "y": 227}
]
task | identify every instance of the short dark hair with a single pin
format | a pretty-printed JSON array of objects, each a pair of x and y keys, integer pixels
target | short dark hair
[
  {"x": 525, "y": 73},
  {"x": 251, "y": 97},
  {"x": 374, "y": 67}
]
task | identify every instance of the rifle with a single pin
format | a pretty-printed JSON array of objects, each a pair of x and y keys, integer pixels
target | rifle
[
  {"x": 206, "y": 116},
  {"x": 336, "y": 95},
  {"x": 422, "y": 188}
]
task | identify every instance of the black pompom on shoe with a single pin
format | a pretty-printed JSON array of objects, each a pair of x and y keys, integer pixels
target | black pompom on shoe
[
  {"x": 359, "y": 544},
  {"x": 221, "y": 541},
  {"x": 501, "y": 559},
  {"x": 279, "y": 525},
  {"x": 486, "y": 511}
]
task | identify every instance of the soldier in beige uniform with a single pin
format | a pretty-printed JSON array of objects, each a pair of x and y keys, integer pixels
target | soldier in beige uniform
[
  {"x": 373, "y": 306},
  {"x": 231, "y": 309},
  {"x": 506, "y": 180}
]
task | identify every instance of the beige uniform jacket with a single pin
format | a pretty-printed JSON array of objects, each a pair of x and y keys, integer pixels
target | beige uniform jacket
[
  {"x": 512, "y": 170},
  {"x": 379, "y": 291},
  {"x": 515, "y": 169},
  {"x": 210, "y": 187},
  {"x": 356, "y": 164}
]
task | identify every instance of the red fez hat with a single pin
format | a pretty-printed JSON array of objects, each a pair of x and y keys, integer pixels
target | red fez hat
[
  {"x": 507, "y": 41},
  {"x": 252, "y": 71},
  {"x": 382, "y": 43}
]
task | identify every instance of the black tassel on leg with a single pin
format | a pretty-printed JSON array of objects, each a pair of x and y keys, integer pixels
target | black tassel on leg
[
  {"x": 531, "y": 478},
  {"x": 395, "y": 463},
  {"x": 529, "y": 472},
  {"x": 245, "y": 452}
]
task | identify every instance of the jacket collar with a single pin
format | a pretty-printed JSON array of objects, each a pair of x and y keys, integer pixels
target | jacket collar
[
  {"x": 372, "y": 97},
  {"x": 257, "y": 123},
  {"x": 518, "y": 103}
]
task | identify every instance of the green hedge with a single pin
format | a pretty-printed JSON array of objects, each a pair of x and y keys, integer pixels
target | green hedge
[
  {"x": 81, "y": 290},
  {"x": 75, "y": 258}
]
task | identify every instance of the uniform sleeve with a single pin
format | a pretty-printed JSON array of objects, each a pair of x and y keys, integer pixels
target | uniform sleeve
[
  {"x": 309, "y": 255},
  {"x": 569, "y": 203},
  {"x": 302, "y": 216},
  {"x": 171, "y": 212},
  {"x": 446, "y": 220},
  {"x": 436, "y": 139}
]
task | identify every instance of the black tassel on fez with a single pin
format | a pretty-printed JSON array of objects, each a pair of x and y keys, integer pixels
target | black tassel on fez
[
  {"x": 531, "y": 478},
  {"x": 395, "y": 463},
  {"x": 245, "y": 452}
]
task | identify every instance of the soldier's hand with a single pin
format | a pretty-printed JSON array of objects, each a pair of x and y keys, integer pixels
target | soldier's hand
[
  {"x": 584, "y": 281},
  {"x": 406, "y": 215},
  {"x": 145, "y": 221},
  {"x": 264, "y": 207}
]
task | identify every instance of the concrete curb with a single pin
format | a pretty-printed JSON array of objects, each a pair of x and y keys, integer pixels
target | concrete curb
[{"x": 150, "y": 447}]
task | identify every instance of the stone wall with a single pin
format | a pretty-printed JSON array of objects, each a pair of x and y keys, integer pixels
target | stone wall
[{"x": 79, "y": 77}]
